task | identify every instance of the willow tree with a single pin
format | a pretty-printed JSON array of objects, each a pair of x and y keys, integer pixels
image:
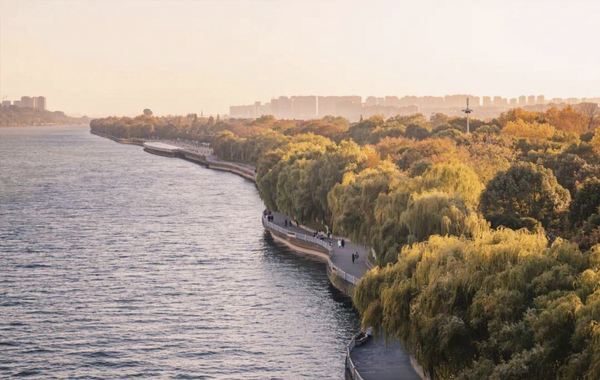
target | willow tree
[
  {"x": 438, "y": 213},
  {"x": 277, "y": 161},
  {"x": 352, "y": 202},
  {"x": 503, "y": 305},
  {"x": 455, "y": 179}
]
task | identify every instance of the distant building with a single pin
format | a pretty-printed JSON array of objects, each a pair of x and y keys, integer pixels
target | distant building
[
  {"x": 304, "y": 107},
  {"x": 282, "y": 107},
  {"x": 349, "y": 107},
  {"x": 6, "y": 103},
  {"x": 326, "y": 106},
  {"x": 475, "y": 101},
  {"x": 390, "y": 101},
  {"x": 352, "y": 108},
  {"x": 27, "y": 102},
  {"x": 541, "y": 99},
  {"x": 17, "y": 103},
  {"x": 39, "y": 103},
  {"x": 371, "y": 101},
  {"x": 455, "y": 100}
]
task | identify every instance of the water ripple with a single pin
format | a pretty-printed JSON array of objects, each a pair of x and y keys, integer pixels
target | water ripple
[{"x": 115, "y": 263}]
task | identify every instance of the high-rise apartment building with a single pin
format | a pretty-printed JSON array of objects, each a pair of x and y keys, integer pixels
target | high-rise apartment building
[
  {"x": 27, "y": 102},
  {"x": 498, "y": 101},
  {"x": 304, "y": 107},
  {"x": 531, "y": 100},
  {"x": 39, "y": 103},
  {"x": 541, "y": 99},
  {"x": 326, "y": 106},
  {"x": 282, "y": 107}
]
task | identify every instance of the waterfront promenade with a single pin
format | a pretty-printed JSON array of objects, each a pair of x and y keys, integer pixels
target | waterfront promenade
[
  {"x": 340, "y": 257},
  {"x": 376, "y": 359}
]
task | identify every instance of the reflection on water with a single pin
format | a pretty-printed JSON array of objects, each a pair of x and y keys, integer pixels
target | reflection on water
[{"x": 115, "y": 263}]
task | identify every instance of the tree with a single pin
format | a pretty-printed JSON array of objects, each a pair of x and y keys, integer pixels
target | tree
[
  {"x": 438, "y": 213},
  {"x": 361, "y": 131},
  {"x": 567, "y": 119},
  {"x": 352, "y": 202},
  {"x": 525, "y": 190},
  {"x": 416, "y": 132},
  {"x": 147, "y": 112},
  {"x": 591, "y": 113},
  {"x": 570, "y": 170},
  {"x": 586, "y": 201},
  {"x": 526, "y": 130},
  {"x": 455, "y": 179},
  {"x": 516, "y": 114},
  {"x": 501, "y": 305}
]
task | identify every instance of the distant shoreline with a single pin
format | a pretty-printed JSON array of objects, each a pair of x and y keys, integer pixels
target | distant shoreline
[{"x": 83, "y": 124}]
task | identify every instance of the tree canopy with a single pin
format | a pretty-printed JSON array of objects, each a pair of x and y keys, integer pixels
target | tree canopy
[{"x": 484, "y": 267}]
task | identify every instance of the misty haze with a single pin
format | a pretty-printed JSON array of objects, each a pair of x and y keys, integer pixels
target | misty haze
[{"x": 299, "y": 189}]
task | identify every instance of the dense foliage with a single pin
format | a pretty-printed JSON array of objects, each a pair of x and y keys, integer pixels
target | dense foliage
[
  {"x": 503, "y": 305},
  {"x": 487, "y": 243}
]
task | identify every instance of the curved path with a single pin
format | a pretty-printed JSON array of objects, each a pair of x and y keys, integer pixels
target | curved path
[
  {"x": 340, "y": 257},
  {"x": 376, "y": 359}
]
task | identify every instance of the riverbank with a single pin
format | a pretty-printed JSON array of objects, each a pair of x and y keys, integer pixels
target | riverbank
[{"x": 346, "y": 263}]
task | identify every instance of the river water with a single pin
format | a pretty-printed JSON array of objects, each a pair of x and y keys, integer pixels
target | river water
[{"x": 117, "y": 263}]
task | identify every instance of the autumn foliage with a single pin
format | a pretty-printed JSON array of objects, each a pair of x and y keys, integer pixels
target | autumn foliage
[{"x": 486, "y": 245}]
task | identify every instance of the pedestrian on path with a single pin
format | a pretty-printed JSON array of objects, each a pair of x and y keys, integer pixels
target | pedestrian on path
[{"x": 353, "y": 258}]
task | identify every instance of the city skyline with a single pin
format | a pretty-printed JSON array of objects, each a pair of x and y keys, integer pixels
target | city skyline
[
  {"x": 353, "y": 107},
  {"x": 223, "y": 53}
]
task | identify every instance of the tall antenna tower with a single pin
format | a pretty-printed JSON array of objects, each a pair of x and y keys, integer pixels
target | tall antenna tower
[{"x": 468, "y": 112}]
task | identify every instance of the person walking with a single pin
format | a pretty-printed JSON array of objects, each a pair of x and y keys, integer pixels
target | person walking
[{"x": 353, "y": 258}]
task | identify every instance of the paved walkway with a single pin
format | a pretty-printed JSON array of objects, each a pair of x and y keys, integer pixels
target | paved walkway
[
  {"x": 340, "y": 257},
  {"x": 381, "y": 360},
  {"x": 376, "y": 359}
]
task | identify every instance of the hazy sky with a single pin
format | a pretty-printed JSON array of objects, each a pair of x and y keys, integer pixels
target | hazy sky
[{"x": 117, "y": 57}]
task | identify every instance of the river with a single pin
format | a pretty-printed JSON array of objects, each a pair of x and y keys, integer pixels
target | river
[{"x": 117, "y": 263}]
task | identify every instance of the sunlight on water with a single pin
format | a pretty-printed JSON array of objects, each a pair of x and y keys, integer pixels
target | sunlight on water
[{"x": 115, "y": 263}]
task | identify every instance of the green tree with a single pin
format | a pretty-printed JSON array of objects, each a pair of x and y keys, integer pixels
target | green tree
[
  {"x": 525, "y": 190},
  {"x": 586, "y": 201}
]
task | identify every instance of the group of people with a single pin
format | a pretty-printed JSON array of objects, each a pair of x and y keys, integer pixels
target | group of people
[
  {"x": 341, "y": 243},
  {"x": 268, "y": 214},
  {"x": 321, "y": 235}
]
